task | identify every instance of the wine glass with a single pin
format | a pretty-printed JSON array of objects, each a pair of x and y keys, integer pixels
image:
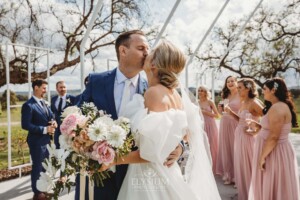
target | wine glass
[
  {"x": 221, "y": 104},
  {"x": 248, "y": 118},
  {"x": 225, "y": 104},
  {"x": 51, "y": 122}
]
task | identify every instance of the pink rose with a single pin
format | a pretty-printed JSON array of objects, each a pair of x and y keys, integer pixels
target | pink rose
[
  {"x": 103, "y": 153},
  {"x": 70, "y": 123}
]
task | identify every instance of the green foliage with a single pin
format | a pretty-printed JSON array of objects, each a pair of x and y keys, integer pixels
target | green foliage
[
  {"x": 19, "y": 147},
  {"x": 268, "y": 46},
  {"x": 13, "y": 99}
]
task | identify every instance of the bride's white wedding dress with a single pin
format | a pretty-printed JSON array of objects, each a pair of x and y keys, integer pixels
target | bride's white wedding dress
[{"x": 157, "y": 134}]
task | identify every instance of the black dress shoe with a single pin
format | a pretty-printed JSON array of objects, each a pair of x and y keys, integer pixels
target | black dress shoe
[{"x": 39, "y": 196}]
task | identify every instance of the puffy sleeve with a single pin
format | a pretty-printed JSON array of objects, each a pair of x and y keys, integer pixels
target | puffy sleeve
[
  {"x": 160, "y": 133},
  {"x": 156, "y": 134}
]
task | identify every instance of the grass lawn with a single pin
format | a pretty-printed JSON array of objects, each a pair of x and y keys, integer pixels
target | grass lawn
[
  {"x": 15, "y": 114},
  {"x": 19, "y": 147}
]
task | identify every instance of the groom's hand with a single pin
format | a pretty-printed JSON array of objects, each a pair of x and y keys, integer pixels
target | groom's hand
[{"x": 173, "y": 157}]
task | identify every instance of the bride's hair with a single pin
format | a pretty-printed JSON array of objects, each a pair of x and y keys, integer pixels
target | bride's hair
[{"x": 170, "y": 61}]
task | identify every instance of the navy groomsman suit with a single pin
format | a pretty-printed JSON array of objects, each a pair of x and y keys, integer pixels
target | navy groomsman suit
[
  {"x": 69, "y": 100},
  {"x": 35, "y": 118}
]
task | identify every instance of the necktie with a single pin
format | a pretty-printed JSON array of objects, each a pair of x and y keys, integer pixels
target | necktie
[
  {"x": 44, "y": 107},
  {"x": 59, "y": 108},
  {"x": 125, "y": 97}
]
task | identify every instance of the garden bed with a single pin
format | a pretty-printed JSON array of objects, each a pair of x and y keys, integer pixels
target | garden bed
[{"x": 6, "y": 174}]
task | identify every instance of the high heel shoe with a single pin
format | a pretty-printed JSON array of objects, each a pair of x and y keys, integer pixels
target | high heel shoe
[{"x": 227, "y": 182}]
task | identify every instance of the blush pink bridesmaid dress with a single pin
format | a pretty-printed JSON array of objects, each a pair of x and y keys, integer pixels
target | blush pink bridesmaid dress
[
  {"x": 243, "y": 155},
  {"x": 211, "y": 130},
  {"x": 280, "y": 179},
  {"x": 225, "y": 165}
]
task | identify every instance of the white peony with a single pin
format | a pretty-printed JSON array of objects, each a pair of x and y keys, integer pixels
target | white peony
[
  {"x": 45, "y": 183},
  {"x": 98, "y": 130},
  {"x": 116, "y": 136},
  {"x": 70, "y": 110}
]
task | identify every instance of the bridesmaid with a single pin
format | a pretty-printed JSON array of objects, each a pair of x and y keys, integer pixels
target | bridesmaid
[
  {"x": 209, "y": 112},
  {"x": 228, "y": 123},
  {"x": 275, "y": 170},
  {"x": 251, "y": 107}
]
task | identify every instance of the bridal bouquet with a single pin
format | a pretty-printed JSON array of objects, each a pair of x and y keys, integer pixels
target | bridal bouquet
[{"x": 89, "y": 139}]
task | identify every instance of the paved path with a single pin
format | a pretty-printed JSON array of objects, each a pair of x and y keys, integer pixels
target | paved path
[{"x": 19, "y": 189}]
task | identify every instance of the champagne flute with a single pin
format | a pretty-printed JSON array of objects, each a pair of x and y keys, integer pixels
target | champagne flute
[
  {"x": 248, "y": 118},
  {"x": 225, "y": 102},
  {"x": 51, "y": 123},
  {"x": 221, "y": 104}
]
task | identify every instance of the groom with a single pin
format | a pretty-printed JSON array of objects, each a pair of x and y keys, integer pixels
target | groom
[{"x": 106, "y": 89}]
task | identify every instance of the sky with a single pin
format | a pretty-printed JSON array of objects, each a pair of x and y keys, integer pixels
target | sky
[{"x": 187, "y": 27}]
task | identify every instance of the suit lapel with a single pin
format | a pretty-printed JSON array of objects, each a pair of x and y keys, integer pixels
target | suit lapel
[
  {"x": 109, "y": 90},
  {"x": 38, "y": 107},
  {"x": 53, "y": 104}
]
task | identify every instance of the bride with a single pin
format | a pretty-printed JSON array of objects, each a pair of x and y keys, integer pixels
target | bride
[{"x": 160, "y": 120}]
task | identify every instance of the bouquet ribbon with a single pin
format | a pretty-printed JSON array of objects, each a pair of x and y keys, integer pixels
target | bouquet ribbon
[{"x": 82, "y": 187}]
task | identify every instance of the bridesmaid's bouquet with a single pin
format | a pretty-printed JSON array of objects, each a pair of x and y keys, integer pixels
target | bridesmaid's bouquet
[{"x": 89, "y": 139}]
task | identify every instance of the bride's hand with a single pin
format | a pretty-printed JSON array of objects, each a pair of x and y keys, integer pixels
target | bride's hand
[
  {"x": 173, "y": 157},
  {"x": 106, "y": 167}
]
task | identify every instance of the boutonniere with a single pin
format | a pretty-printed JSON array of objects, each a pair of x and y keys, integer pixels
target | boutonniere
[
  {"x": 68, "y": 101},
  {"x": 47, "y": 103}
]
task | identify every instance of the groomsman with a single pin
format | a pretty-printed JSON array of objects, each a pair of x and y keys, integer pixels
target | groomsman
[
  {"x": 58, "y": 103},
  {"x": 37, "y": 119}
]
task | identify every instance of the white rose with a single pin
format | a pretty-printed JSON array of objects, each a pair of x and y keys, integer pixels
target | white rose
[{"x": 71, "y": 110}]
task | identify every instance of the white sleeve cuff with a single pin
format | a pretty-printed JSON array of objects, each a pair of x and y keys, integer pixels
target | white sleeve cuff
[{"x": 45, "y": 130}]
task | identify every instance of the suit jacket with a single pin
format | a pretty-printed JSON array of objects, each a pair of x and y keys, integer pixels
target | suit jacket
[
  {"x": 71, "y": 102},
  {"x": 34, "y": 119},
  {"x": 100, "y": 91}
]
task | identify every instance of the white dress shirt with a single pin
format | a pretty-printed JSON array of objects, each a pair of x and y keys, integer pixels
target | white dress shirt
[
  {"x": 119, "y": 87},
  {"x": 64, "y": 101}
]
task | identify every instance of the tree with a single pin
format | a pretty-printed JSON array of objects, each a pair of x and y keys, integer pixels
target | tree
[
  {"x": 13, "y": 99},
  {"x": 60, "y": 25},
  {"x": 268, "y": 46}
]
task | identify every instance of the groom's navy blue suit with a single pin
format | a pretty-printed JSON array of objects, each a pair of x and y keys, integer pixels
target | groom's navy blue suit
[{"x": 100, "y": 91}]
